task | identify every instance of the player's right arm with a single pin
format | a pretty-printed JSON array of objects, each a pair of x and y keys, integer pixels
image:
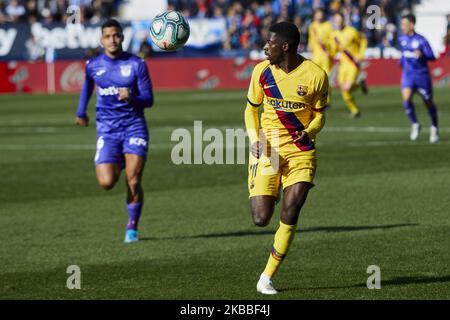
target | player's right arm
[
  {"x": 255, "y": 98},
  {"x": 82, "y": 118}
]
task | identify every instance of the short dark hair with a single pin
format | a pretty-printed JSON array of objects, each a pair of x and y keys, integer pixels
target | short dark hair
[
  {"x": 319, "y": 9},
  {"x": 112, "y": 23},
  {"x": 410, "y": 17},
  {"x": 287, "y": 32}
]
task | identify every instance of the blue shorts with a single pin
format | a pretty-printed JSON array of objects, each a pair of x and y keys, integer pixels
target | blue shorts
[
  {"x": 420, "y": 83},
  {"x": 132, "y": 139}
]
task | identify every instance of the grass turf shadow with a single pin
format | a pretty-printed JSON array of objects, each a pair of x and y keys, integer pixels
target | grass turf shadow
[
  {"x": 266, "y": 232},
  {"x": 397, "y": 281}
]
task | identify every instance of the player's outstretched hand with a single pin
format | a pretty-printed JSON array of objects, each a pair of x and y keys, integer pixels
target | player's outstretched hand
[
  {"x": 82, "y": 122},
  {"x": 124, "y": 94},
  {"x": 302, "y": 138},
  {"x": 256, "y": 149}
]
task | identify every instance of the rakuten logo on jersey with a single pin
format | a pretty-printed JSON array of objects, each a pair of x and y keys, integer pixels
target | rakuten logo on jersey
[{"x": 110, "y": 91}]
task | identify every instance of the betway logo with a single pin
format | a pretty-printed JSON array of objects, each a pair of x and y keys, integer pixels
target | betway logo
[
  {"x": 410, "y": 54},
  {"x": 7, "y": 38},
  {"x": 284, "y": 104},
  {"x": 110, "y": 91},
  {"x": 73, "y": 36}
]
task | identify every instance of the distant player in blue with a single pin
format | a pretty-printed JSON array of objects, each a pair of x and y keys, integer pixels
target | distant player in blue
[
  {"x": 416, "y": 52},
  {"x": 124, "y": 89}
]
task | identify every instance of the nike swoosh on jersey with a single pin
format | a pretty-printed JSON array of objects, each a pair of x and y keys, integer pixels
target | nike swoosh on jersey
[{"x": 100, "y": 72}]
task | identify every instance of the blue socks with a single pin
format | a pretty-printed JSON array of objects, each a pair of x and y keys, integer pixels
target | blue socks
[
  {"x": 410, "y": 111},
  {"x": 433, "y": 115},
  {"x": 134, "y": 213}
]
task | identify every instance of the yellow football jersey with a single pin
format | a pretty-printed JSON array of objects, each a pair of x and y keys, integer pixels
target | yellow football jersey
[
  {"x": 289, "y": 99},
  {"x": 351, "y": 43},
  {"x": 319, "y": 38}
]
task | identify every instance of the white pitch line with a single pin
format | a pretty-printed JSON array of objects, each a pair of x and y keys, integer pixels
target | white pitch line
[
  {"x": 393, "y": 143},
  {"x": 377, "y": 129},
  {"x": 370, "y": 129},
  {"x": 326, "y": 129},
  {"x": 162, "y": 146},
  {"x": 28, "y": 130},
  {"x": 57, "y": 147},
  {"x": 22, "y": 122}
]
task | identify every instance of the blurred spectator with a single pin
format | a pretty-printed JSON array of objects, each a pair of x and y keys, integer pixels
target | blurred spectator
[
  {"x": 446, "y": 51},
  {"x": 15, "y": 11},
  {"x": 305, "y": 9},
  {"x": 145, "y": 51},
  {"x": 247, "y": 21}
]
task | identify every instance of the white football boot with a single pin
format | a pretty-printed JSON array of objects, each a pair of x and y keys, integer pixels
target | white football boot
[
  {"x": 265, "y": 285},
  {"x": 434, "y": 134},
  {"x": 415, "y": 131}
]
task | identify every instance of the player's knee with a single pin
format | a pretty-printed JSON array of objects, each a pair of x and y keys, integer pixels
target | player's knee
[
  {"x": 133, "y": 182},
  {"x": 106, "y": 183},
  {"x": 429, "y": 103},
  {"x": 261, "y": 217},
  {"x": 260, "y": 221}
]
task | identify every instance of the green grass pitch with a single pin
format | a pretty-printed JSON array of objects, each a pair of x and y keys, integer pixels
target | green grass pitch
[{"x": 379, "y": 200}]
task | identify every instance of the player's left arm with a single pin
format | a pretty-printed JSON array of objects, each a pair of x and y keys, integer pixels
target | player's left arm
[
  {"x": 427, "y": 52},
  {"x": 320, "y": 102},
  {"x": 362, "y": 46},
  {"x": 144, "y": 97}
]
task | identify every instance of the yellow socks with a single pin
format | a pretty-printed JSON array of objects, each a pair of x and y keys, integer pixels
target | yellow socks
[
  {"x": 350, "y": 101},
  {"x": 283, "y": 239}
]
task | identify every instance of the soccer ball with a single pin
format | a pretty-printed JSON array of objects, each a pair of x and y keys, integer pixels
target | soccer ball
[{"x": 169, "y": 30}]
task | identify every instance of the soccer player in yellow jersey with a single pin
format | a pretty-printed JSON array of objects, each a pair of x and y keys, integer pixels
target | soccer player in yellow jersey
[
  {"x": 319, "y": 40},
  {"x": 294, "y": 93},
  {"x": 352, "y": 46}
]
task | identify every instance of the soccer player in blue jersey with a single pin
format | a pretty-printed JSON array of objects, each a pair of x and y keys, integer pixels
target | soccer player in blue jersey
[
  {"x": 124, "y": 89},
  {"x": 416, "y": 52}
]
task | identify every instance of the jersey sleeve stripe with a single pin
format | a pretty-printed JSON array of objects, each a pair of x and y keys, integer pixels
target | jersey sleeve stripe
[
  {"x": 318, "y": 110},
  {"x": 253, "y": 104}
]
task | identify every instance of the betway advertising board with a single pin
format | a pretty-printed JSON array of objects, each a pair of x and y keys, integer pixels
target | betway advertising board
[{"x": 71, "y": 41}]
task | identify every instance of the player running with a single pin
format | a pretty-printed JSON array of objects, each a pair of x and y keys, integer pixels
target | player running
[
  {"x": 124, "y": 89},
  {"x": 294, "y": 93},
  {"x": 352, "y": 46},
  {"x": 416, "y": 52},
  {"x": 319, "y": 40}
]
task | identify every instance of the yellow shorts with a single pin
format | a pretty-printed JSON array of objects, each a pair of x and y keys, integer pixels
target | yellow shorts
[
  {"x": 289, "y": 166},
  {"x": 348, "y": 73}
]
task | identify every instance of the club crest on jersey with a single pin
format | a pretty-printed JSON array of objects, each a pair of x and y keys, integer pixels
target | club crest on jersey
[
  {"x": 302, "y": 90},
  {"x": 125, "y": 70}
]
